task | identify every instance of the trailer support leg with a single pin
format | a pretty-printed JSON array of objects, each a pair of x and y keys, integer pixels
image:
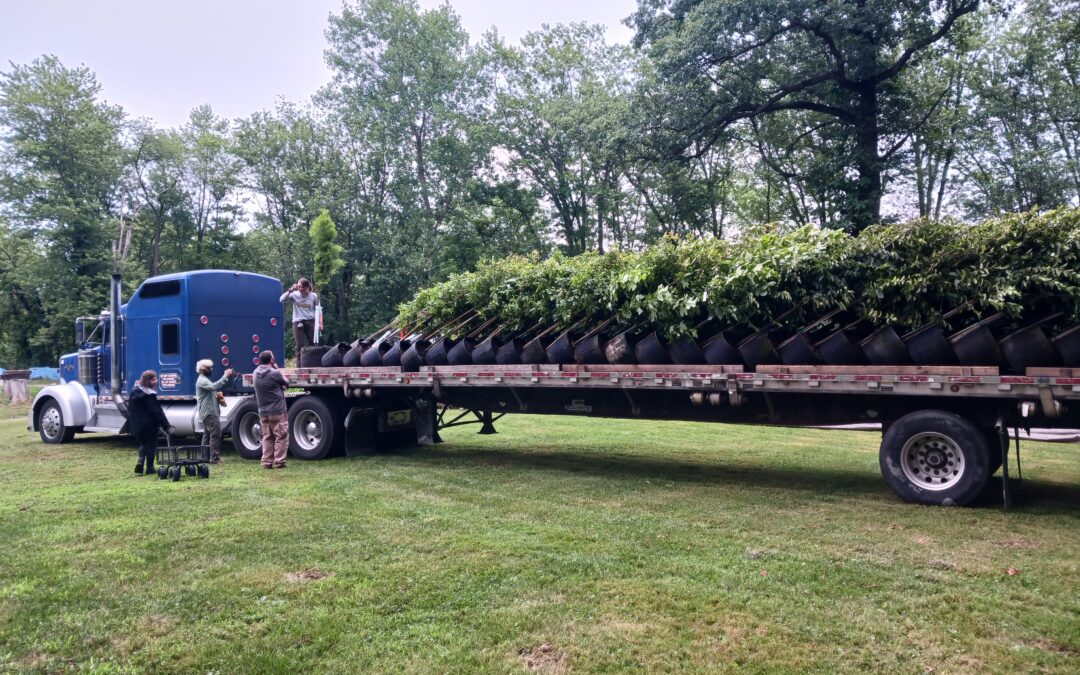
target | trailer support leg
[
  {"x": 426, "y": 420},
  {"x": 487, "y": 426}
]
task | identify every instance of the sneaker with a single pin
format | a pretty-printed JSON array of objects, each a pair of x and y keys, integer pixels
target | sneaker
[
  {"x": 267, "y": 466},
  {"x": 150, "y": 470},
  {"x": 216, "y": 460},
  {"x": 139, "y": 469},
  {"x": 280, "y": 466}
]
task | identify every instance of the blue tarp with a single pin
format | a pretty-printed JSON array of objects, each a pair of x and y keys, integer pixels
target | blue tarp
[{"x": 44, "y": 373}]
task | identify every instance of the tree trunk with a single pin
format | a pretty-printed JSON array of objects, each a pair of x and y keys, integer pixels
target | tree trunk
[{"x": 867, "y": 207}]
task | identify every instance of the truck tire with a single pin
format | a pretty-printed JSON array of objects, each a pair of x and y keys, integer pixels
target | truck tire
[
  {"x": 313, "y": 428},
  {"x": 246, "y": 430},
  {"x": 935, "y": 457},
  {"x": 51, "y": 425},
  {"x": 997, "y": 445}
]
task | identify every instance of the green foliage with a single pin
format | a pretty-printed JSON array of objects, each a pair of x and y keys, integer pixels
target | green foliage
[
  {"x": 899, "y": 274},
  {"x": 327, "y": 252}
]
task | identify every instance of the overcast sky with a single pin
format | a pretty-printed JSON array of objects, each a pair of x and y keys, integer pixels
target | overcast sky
[{"x": 159, "y": 58}]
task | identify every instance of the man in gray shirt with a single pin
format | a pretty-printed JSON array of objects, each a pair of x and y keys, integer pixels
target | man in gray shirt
[
  {"x": 270, "y": 386},
  {"x": 209, "y": 411}
]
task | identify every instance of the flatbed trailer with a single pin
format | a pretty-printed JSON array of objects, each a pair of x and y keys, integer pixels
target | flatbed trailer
[{"x": 945, "y": 430}]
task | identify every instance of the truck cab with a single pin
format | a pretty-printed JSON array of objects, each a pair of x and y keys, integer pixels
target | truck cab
[{"x": 169, "y": 323}]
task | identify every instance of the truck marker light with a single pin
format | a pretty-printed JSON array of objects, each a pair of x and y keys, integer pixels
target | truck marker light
[
  {"x": 224, "y": 349},
  {"x": 225, "y": 362},
  {"x": 273, "y": 322},
  {"x": 254, "y": 349},
  {"x": 255, "y": 338},
  {"x": 255, "y": 361},
  {"x": 224, "y": 337},
  {"x": 204, "y": 320}
]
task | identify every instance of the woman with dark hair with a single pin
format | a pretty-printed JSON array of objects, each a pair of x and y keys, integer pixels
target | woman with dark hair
[{"x": 145, "y": 417}]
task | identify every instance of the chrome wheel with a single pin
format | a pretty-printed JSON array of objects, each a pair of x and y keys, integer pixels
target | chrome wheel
[
  {"x": 932, "y": 461},
  {"x": 307, "y": 430},
  {"x": 250, "y": 431},
  {"x": 52, "y": 426}
]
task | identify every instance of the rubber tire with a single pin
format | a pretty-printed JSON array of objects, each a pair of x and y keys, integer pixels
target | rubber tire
[
  {"x": 311, "y": 357},
  {"x": 331, "y": 434},
  {"x": 971, "y": 441},
  {"x": 64, "y": 434},
  {"x": 204, "y": 471},
  {"x": 174, "y": 473},
  {"x": 247, "y": 407},
  {"x": 162, "y": 473},
  {"x": 189, "y": 469}
]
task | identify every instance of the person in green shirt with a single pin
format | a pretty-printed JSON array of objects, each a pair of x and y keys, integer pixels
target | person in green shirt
[{"x": 209, "y": 411}]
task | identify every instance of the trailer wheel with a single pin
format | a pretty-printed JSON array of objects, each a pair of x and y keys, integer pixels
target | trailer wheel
[
  {"x": 51, "y": 425},
  {"x": 312, "y": 428},
  {"x": 246, "y": 430},
  {"x": 935, "y": 457}
]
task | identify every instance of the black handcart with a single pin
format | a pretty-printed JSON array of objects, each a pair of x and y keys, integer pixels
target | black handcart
[{"x": 194, "y": 460}]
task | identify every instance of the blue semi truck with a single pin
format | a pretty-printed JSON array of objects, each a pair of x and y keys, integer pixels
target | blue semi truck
[{"x": 944, "y": 428}]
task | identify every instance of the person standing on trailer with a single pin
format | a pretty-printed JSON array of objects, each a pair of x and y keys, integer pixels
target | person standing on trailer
[
  {"x": 304, "y": 302},
  {"x": 145, "y": 417},
  {"x": 209, "y": 410},
  {"x": 270, "y": 386}
]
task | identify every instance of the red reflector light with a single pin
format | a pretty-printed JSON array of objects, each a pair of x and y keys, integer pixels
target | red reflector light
[
  {"x": 224, "y": 350},
  {"x": 255, "y": 349},
  {"x": 203, "y": 320},
  {"x": 273, "y": 322},
  {"x": 224, "y": 337},
  {"x": 225, "y": 362},
  {"x": 255, "y": 361},
  {"x": 255, "y": 338}
]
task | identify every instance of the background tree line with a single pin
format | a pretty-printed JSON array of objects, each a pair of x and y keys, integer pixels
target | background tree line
[{"x": 431, "y": 153}]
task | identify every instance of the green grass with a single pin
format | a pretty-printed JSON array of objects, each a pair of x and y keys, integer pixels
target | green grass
[{"x": 557, "y": 545}]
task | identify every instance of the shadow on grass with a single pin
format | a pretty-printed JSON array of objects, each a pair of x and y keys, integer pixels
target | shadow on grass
[{"x": 1052, "y": 498}]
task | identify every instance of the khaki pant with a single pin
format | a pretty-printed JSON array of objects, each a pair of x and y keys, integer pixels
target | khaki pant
[
  {"x": 275, "y": 439},
  {"x": 212, "y": 436}
]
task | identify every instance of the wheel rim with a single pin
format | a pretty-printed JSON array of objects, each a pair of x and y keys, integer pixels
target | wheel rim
[
  {"x": 251, "y": 431},
  {"x": 50, "y": 422},
  {"x": 307, "y": 430},
  {"x": 932, "y": 461}
]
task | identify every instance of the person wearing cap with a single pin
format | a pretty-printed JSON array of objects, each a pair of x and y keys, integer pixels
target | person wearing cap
[
  {"x": 304, "y": 301},
  {"x": 209, "y": 411}
]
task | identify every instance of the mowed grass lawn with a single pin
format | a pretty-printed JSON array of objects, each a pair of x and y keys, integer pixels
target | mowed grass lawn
[{"x": 558, "y": 545}]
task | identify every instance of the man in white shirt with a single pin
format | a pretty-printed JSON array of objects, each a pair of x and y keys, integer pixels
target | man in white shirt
[{"x": 304, "y": 301}]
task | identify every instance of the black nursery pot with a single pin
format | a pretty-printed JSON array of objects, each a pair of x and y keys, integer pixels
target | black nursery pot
[
  {"x": 719, "y": 351},
  {"x": 534, "y": 352},
  {"x": 884, "y": 347},
  {"x": 590, "y": 351},
  {"x": 561, "y": 350},
  {"x": 651, "y": 350},
  {"x": 392, "y": 357},
  {"x": 413, "y": 357},
  {"x": 838, "y": 349},
  {"x": 436, "y": 353},
  {"x": 758, "y": 350},
  {"x": 352, "y": 357},
  {"x": 485, "y": 353},
  {"x": 928, "y": 346},
  {"x": 1068, "y": 347},
  {"x": 976, "y": 346},
  {"x": 334, "y": 357},
  {"x": 461, "y": 353},
  {"x": 372, "y": 358},
  {"x": 686, "y": 352},
  {"x": 797, "y": 350},
  {"x": 1029, "y": 348},
  {"x": 510, "y": 353},
  {"x": 619, "y": 350}
]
